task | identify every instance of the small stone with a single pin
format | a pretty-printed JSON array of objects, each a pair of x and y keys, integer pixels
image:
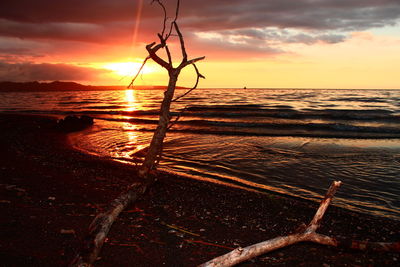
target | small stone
[
  {"x": 326, "y": 265},
  {"x": 67, "y": 231},
  {"x": 51, "y": 198},
  {"x": 180, "y": 234},
  {"x": 202, "y": 230}
]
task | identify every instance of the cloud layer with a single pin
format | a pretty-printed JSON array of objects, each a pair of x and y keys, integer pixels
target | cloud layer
[
  {"x": 241, "y": 27},
  {"x": 88, "y": 20},
  {"x": 24, "y": 72}
]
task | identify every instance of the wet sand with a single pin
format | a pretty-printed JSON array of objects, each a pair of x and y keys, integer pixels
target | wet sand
[{"x": 50, "y": 194}]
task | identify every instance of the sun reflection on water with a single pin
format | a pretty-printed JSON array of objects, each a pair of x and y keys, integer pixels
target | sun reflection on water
[
  {"x": 133, "y": 141},
  {"x": 130, "y": 98}
]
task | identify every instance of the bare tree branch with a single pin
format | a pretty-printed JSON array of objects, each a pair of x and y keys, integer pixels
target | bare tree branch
[
  {"x": 182, "y": 42},
  {"x": 152, "y": 53},
  {"x": 168, "y": 54},
  {"x": 199, "y": 75},
  {"x": 177, "y": 118},
  {"x": 139, "y": 71},
  {"x": 165, "y": 17},
  {"x": 176, "y": 17},
  {"x": 184, "y": 64}
]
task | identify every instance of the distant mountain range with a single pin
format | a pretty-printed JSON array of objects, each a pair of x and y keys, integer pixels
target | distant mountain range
[{"x": 63, "y": 86}]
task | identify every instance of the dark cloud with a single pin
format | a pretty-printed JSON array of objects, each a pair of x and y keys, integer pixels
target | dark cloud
[
  {"x": 84, "y": 32},
  {"x": 19, "y": 46},
  {"x": 301, "y": 14},
  {"x": 100, "y": 16},
  {"x": 22, "y": 72},
  {"x": 87, "y": 11},
  {"x": 261, "y": 26}
]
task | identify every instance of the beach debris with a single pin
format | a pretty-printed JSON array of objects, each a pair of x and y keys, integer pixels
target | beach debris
[
  {"x": 307, "y": 233},
  {"x": 179, "y": 229},
  {"x": 15, "y": 188}
]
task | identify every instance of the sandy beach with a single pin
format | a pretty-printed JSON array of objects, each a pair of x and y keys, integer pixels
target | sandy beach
[{"x": 51, "y": 192}]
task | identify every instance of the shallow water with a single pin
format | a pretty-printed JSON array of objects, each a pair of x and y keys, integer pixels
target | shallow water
[{"x": 289, "y": 141}]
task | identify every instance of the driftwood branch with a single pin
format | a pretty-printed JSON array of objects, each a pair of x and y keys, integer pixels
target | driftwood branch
[
  {"x": 242, "y": 254},
  {"x": 101, "y": 225}
]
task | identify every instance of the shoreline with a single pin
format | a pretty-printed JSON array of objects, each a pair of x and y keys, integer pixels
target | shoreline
[{"x": 51, "y": 192}]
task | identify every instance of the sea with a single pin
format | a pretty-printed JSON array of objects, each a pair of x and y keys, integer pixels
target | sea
[{"x": 286, "y": 141}]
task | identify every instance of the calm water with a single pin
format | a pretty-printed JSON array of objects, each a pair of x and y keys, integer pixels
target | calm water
[{"x": 289, "y": 141}]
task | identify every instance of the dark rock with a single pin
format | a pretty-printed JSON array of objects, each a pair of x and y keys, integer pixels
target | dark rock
[{"x": 74, "y": 123}]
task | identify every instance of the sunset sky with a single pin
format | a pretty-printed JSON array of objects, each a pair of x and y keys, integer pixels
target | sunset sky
[{"x": 253, "y": 43}]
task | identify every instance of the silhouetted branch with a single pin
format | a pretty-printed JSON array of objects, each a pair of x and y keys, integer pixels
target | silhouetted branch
[
  {"x": 152, "y": 50},
  {"x": 182, "y": 42},
  {"x": 140, "y": 70},
  {"x": 198, "y": 76},
  {"x": 184, "y": 64},
  {"x": 176, "y": 17},
  {"x": 177, "y": 118},
  {"x": 168, "y": 54},
  {"x": 165, "y": 18}
]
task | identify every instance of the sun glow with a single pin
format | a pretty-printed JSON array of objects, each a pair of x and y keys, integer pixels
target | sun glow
[{"x": 127, "y": 68}]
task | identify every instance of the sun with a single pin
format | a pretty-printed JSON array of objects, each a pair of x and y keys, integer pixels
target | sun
[{"x": 126, "y": 68}]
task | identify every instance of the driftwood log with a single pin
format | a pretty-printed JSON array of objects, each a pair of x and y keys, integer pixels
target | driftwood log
[
  {"x": 243, "y": 254},
  {"x": 101, "y": 225}
]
